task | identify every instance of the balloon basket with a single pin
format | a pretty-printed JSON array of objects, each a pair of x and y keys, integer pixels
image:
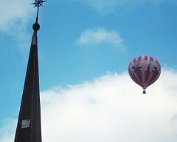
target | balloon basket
[{"x": 144, "y": 91}]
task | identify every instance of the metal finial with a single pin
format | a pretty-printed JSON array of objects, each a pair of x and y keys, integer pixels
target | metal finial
[
  {"x": 36, "y": 26},
  {"x": 37, "y": 3}
]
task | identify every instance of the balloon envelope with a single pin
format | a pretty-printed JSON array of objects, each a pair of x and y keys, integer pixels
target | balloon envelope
[{"x": 144, "y": 70}]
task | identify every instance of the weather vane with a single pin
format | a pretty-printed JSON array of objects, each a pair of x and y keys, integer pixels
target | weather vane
[{"x": 37, "y": 3}]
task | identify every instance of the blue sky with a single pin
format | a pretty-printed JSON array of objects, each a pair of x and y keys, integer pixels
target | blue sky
[{"x": 82, "y": 43}]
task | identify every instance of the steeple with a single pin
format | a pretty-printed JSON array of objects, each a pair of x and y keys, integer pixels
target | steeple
[{"x": 29, "y": 120}]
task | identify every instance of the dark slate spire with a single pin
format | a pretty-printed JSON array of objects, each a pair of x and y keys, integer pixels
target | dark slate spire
[{"x": 29, "y": 120}]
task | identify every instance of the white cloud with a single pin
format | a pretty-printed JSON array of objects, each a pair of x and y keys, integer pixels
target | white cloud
[
  {"x": 14, "y": 14},
  {"x": 14, "y": 17},
  {"x": 109, "y": 109},
  {"x": 7, "y": 132},
  {"x": 100, "y": 36}
]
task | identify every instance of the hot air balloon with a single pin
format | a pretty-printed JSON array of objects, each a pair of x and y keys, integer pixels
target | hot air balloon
[{"x": 144, "y": 70}]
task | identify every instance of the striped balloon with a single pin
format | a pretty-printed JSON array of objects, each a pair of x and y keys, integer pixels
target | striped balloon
[{"x": 144, "y": 70}]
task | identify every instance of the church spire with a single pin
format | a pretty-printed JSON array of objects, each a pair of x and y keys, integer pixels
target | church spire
[{"x": 29, "y": 120}]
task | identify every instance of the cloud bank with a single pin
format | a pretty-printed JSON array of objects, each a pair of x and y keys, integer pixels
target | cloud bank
[{"x": 109, "y": 109}]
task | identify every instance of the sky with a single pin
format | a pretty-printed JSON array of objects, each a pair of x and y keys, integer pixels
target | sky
[{"x": 84, "y": 51}]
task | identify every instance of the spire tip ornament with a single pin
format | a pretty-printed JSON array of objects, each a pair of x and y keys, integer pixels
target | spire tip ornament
[
  {"x": 37, "y": 3},
  {"x": 36, "y": 26}
]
